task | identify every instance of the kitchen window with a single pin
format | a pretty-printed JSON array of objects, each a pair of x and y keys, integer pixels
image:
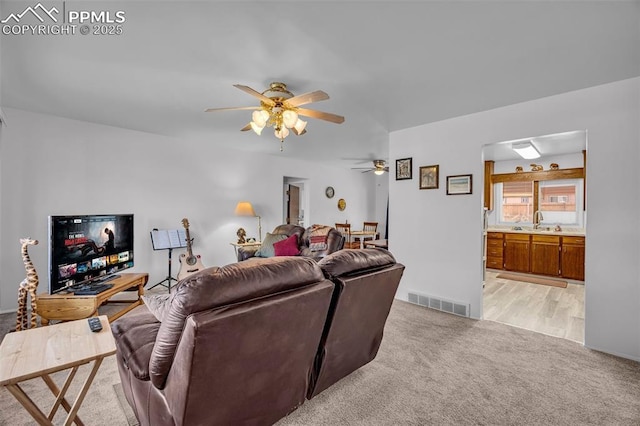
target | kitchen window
[{"x": 560, "y": 202}]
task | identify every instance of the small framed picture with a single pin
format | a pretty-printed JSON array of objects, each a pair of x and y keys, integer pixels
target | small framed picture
[
  {"x": 429, "y": 177},
  {"x": 459, "y": 185},
  {"x": 404, "y": 169}
]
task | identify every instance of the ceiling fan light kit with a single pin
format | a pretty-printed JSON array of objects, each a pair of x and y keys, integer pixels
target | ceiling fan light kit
[{"x": 279, "y": 109}]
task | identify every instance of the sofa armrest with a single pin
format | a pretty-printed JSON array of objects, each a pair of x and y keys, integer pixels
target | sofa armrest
[
  {"x": 135, "y": 335},
  {"x": 245, "y": 253}
]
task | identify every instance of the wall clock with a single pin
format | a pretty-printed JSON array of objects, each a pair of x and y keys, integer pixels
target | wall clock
[
  {"x": 329, "y": 192},
  {"x": 342, "y": 204}
]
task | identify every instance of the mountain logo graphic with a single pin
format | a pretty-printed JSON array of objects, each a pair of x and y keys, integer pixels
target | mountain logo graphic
[{"x": 34, "y": 11}]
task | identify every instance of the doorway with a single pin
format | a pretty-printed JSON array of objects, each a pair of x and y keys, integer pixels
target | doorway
[
  {"x": 534, "y": 234},
  {"x": 295, "y": 201}
]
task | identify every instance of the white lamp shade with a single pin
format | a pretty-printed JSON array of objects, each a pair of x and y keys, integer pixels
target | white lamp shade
[
  {"x": 379, "y": 172},
  {"x": 256, "y": 128},
  {"x": 289, "y": 118},
  {"x": 244, "y": 208},
  {"x": 282, "y": 133},
  {"x": 299, "y": 126},
  {"x": 260, "y": 117}
]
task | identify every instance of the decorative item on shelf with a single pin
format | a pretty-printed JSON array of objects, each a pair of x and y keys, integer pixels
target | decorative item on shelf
[
  {"x": 280, "y": 109},
  {"x": 554, "y": 166},
  {"x": 536, "y": 167},
  {"x": 429, "y": 177},
  {"x": 557, "y": 228},
  {"x": 28, "y": 288},
  {"x": 404, "y": 169},
  {"x": 342, "y": 204},
  {"x": 459, "y": 184},
  {"x": 329, "y": 192},
  {"x": 241, "y": 233},
  {"x": 518, "y": 169},
  {"x": 244, "y": 208}
]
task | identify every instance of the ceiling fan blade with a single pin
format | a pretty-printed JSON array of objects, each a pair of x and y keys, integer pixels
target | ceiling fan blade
[
  {"x": 307, "y": 98},
  {"x": 361, "y": 168},
  {"x": 367, "y": 171},
  {"x": 252, "y": 92},
  {"x": 245, "y": 128},
  {"x": 231, "y": 108},
  {"x": 321, "y": 115}
]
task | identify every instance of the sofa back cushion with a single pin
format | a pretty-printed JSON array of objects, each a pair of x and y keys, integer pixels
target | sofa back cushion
[
  {"x": 228, "y": 285},
  {"x": 353, "y": 261}
]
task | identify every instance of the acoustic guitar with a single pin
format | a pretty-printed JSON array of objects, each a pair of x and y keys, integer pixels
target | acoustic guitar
[{"x": 189, "y": 263}]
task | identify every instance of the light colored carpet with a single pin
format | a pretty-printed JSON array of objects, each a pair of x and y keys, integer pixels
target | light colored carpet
[
  {"x": 439, "y": 369},
  {"x": 532, "y": 279}
]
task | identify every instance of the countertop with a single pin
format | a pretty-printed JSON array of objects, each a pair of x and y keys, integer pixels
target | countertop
[{"x": 569, "y": 232}]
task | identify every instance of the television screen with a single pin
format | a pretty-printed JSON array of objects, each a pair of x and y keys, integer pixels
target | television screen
[{"x": 88, "y": 247}]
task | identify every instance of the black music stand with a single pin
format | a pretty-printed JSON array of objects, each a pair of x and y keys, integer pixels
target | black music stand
[{"x": 167, "y": 239}]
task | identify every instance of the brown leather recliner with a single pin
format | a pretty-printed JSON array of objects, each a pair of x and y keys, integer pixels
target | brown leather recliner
[
  {"x": 335, "y": 242},
  {"x": 366, "y": 283},
  {"x": 235, "y": 345}
]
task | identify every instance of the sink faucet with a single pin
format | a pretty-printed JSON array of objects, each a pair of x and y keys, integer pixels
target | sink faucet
[{"x": 537, "y": 218}]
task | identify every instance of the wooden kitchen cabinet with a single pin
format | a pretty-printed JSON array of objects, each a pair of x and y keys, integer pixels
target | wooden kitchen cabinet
[
  {"x": 572, "y": 258},
  {"x": 495, "y": 243},
  {"x": 545, "y": 255},
  {"x": 517, "y": 252}
]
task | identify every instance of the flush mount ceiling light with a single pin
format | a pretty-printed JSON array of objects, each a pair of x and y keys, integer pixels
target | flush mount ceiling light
[
  {"x": 280, "y": 109},
  {"x": 526, "y": 150}
]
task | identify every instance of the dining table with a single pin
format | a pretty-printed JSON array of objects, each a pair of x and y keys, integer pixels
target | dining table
[{"x": 364, "y": 234}]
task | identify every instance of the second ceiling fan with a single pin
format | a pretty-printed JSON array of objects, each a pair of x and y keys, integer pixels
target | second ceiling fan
[{"x": 379, "y": 167}]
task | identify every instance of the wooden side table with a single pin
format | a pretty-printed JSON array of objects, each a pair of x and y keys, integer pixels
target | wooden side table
[
  {"x": 38, "y": 352},
  {"x": 68, "y": 306}
]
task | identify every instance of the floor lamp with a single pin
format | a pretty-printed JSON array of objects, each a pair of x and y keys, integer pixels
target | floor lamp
[{"x": 244, "y": 208}]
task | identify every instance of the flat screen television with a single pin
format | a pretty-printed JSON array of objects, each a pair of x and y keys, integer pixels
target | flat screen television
[{"x": 87, "y": 248}]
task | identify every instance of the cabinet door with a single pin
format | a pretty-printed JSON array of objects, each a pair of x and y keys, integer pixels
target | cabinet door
[
  {"x": 572, "y": 260},
  {"x": 545, "y": 256},
  {"x": 516, "y": 253}
]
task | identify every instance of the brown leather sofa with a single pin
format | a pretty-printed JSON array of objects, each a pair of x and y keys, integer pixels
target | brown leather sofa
[
  {"x": 366, "y": 282},
  {"x": 335, "y": 242},
  {"x": 248, "y": 342}
]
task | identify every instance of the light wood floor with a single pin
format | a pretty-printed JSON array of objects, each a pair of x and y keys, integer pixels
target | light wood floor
[{"x": 549, "y": 310}]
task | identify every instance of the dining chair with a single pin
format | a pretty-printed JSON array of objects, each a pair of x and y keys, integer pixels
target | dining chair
[
  {"x": 345, "y": 229},
  {"x": 368, "y": 227}
]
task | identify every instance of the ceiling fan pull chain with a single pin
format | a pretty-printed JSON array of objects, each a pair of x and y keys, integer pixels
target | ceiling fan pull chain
[{"x": 281, "y": 145}]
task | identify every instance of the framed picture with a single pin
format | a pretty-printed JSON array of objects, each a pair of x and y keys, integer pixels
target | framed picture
[
  {"x": 404, "y": 169},
  {"x": 459, "y": 185},
  {"x": 429, "y": 177}
]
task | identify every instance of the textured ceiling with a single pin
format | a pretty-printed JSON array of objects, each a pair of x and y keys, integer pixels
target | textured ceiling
[{"x": 385, "y": 65}]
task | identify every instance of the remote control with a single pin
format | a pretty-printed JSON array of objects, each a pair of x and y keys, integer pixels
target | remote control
[{"x": 94, "y": 324}]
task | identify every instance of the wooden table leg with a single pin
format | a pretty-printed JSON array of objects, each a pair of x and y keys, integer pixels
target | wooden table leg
[
  {"x": 60, "y": 399},
  {"x": 83, "y": 392},
  {"x": 28, "y": 404}
]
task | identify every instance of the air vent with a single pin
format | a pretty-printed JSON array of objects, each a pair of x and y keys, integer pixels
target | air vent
[{"x": 456, "y": 308}]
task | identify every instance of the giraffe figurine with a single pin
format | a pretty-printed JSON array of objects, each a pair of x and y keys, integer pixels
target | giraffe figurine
[{"x": 27, "y": 289}]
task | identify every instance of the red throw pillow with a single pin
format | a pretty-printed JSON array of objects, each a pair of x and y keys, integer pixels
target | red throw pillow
[{"x": 288, "y": 247}]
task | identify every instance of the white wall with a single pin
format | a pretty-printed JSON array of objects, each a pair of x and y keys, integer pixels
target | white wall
[
  {"x": 51, "y": 165},
  {"x": 439, "y": 237}
]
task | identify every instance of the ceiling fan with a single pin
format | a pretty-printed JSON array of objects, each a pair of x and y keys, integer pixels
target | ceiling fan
[
  {"x": 379, "y": 167},
  {"x": 280, "y": 109}
]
